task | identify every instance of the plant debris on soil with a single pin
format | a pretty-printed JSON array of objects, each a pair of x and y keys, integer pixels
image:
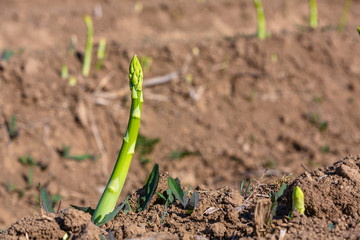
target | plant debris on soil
[
  {"x": 331, "y": 202},
  {"x": 234, "y": 107}
]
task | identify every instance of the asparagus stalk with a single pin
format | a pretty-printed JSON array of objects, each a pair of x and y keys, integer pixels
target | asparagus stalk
[
  {"x": 313, "y": 14},
  {"x": 261, "y": 19},
  {"x": 113, "y": 188},
  {"x": 89, "y": 43}
]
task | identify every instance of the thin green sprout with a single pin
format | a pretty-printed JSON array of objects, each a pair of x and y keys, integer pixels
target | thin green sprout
[
  {"x": 116, "y": 182},
  {"x": 88, "y": 49},
  {"x": 261, "y": 19},
  {"x": 101, "y": 53},
  {"x": 313, "y": 14},
  {"x": 344, "y": 16}
]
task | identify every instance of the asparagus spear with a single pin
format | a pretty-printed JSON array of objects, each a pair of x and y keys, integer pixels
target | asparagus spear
[{"x": 116, "y": 182}]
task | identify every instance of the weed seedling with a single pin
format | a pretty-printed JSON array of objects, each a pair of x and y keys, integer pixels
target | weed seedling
[
  {"x": 150, "y": 189},
  {"x": 6, "y": 55},
  {"x": 145, "y": 146},
  {"x": 313, "y": 14},
  {"x": 65, "y": 153},
  {"x": 13, "y": 132},
  {"x": 244, "y": 192},
  {"x": 274, "y": 202},
  {"x": 174, "y": 155},
  {"x": 181, "y": 196},
  {"x": 89, "y": 44},
  {"x": 261, "y": 31}
]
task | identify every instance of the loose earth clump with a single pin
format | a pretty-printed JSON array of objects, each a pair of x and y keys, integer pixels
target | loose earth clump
[{"x": 331, "y": 203}]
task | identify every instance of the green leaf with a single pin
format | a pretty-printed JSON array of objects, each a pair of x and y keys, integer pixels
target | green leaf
[
  {"x": 165, "y": 211},
  {"x": 282, "y": 189},
  {"x": 248, "y": 187},
  {"x": 242, "y": 186},
  {"x": 150, "y": 187},
  {"x": 127, "y": 207},
  {"x": 46, "y": 201},
  {"x": 102, "y": 237},
  {"x": 177, "y": 191},
  {"x": 84, "y": 209},
  {"x": 161, "y": 196},
  {"x": 170, "y": 195},
  {"x": 193, "y": 202},
  {"x": 272, "y": 212},
  {"x": 111, "y": 215}
]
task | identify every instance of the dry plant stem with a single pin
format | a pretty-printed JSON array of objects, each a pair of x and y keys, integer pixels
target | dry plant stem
[
  {"x": 116, "y": 182},
  {"x": 99, "y": 142}
]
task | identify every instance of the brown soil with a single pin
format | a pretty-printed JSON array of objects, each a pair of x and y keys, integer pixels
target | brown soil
[
  {"x": 331, "y": 202},
  {"x": 240, "y": 106}
]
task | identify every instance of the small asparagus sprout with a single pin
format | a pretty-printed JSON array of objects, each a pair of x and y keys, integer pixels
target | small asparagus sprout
[
  {"x": 64, "y": 72},
  {"x": 313, "y": 14},
  {"x": 88, "y": 49},
  {"x": 116, "y": 182},
  {"x": 298, "y": 200},
  {"x": 344, "y": 16},
  {"x": 261, "y": 19},
  {"x": 101, "y": 54}
]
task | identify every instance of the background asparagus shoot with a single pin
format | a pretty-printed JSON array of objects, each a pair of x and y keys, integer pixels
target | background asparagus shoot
[
  {"x": 344, "y": 15},
  {"x": 261, "y": 19},
  {"x": 313, "y": 14},
  {"x": 115, "y": 184},
  {"x": 101, "y": 53},
  {"x": 88, "y": 49}
]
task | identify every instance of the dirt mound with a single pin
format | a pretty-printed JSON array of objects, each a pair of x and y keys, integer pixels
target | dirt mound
[{"x": 331, "y": 202}]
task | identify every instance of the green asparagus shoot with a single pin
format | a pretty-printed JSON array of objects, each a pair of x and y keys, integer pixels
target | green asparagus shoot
[
  {"x": 64, "y": 72},
  {"x": 72, "y": 81},
  {"x": 116, "y": 182},
  {"x": 358, "y": 30},
  {"x": 344, "y": 16},
  {"x": 72, "y": 44},
  {"x": 88, "y": 49},
  {"x": 146, "y": 62},
  {"x": 297, "y": 201},
  {"x": 101, "y": 54},
  {"x": 261, "y": 31},
  {"x": 313, "y": 14}
]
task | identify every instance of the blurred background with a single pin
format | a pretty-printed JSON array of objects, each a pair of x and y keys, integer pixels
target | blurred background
[{"x": 220, "y": 104}]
